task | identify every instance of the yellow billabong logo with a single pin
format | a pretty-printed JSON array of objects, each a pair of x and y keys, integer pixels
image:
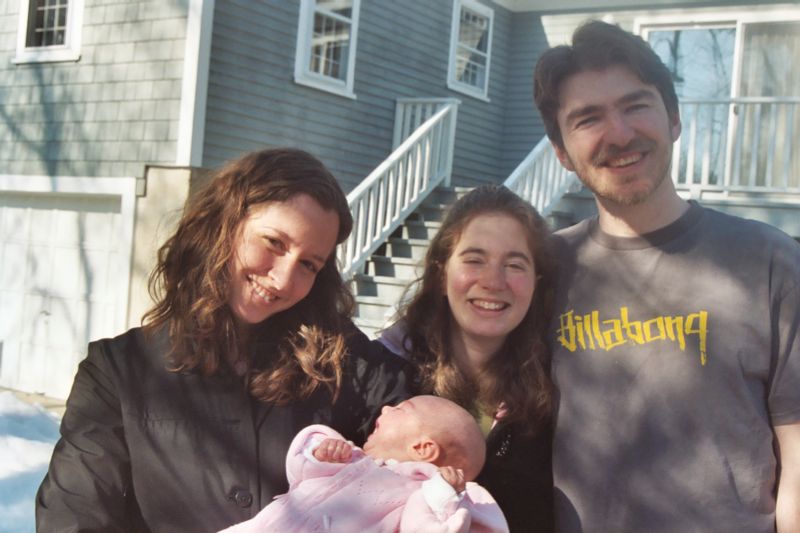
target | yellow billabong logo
[{"x": 589, "y": 331}]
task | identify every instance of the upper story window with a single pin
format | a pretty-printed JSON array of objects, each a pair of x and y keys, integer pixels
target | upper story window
[
  {"x": 49, "y": 30},
  {"x": 470, "y": 48},
  {"x": 326, "y": 45}
]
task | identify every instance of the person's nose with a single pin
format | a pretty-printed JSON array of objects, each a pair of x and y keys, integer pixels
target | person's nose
[
  {"x": 493, "y": 277},
  {"x": 282, "y": 273},
  {"x": 618, "y": 130}
]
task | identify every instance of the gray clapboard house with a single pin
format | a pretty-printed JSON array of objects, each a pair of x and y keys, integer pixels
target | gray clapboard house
[{"x": 110, "y": 110}]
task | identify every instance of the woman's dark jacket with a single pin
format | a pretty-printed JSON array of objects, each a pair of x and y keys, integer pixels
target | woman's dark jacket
[
  {"x": 519, "y": 475},
  {"x": 146, "y": 449}
]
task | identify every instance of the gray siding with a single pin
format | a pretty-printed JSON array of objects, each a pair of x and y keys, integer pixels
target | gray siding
[
  {"x": 402, "y": 51},
  {"x": 108, "y": 113},
  {"x": 523, "y": 127}
]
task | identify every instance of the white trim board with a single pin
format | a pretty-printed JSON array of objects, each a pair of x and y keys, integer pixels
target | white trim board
[{"x": 194, "y": 90}]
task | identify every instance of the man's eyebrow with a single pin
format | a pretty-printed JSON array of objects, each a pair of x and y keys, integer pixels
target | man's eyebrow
[
  {"x": 641, "y": 94},
  {"x": 581, "y": 112}
]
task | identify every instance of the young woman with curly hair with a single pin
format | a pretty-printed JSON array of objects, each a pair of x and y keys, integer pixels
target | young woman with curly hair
[
  {"x": 184, "y": 424},
  {"x": 475, "y": 330}
]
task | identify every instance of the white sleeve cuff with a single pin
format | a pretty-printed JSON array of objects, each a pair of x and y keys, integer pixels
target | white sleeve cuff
[
  {"x": 440, "y": 496},
  {"x": 312, "y": 444}
]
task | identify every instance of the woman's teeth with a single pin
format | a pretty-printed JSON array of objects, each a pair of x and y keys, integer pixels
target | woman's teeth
[
  {"x": 490, "y": 306},
  {"x": 261, "y": 291}
]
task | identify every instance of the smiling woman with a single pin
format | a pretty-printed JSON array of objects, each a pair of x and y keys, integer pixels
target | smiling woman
[
  {"x": 183, "y": 424},
  {"x": 475, "y": 332}
]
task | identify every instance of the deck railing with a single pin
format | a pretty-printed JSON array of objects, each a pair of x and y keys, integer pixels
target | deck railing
[
  {"x": 739, "y": 145},
  {"x": 400, "y": 183}
]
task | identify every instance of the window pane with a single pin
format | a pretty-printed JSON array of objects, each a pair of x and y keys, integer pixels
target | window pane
[
  {"x": 472, "y": 49},
  {"x": 329, "y": 46},
  {"x": 473, "y": 31},
  {"x": 701, "y": 63},
  {"x": 471, "y": 68},
  {"x": 340, "y": 7},
  {"x": 700, "y": 60},
  {"x": 769, "y": 59},
  {"x": 770, "y": 68},
  {"x": 47, "y": 23}
]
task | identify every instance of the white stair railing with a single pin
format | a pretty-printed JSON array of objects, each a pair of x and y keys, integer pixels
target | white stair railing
[
  {"x": 540, "y": 178},
  {"x": 400, "y": 183}
]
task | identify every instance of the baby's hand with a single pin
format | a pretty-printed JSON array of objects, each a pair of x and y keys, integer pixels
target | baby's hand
[
  {"x": 334, "y": 451},
  {"x": 454, "y": 476}
]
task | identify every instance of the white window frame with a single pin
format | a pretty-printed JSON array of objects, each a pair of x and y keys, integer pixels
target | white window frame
[
  {"x": 642, "y": 25},
  {"x": 305, "y": 33},
  {"x": 452, "y": 82},
  {"x": 69, "y": 51}
]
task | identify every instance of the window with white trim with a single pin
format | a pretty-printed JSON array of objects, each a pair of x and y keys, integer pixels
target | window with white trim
[
  {"x": 49, "y": 30},
  {"x": 718, "y": 58},
  {"x": 326, "y": 45},
  {"x": 470, "y": 48}
]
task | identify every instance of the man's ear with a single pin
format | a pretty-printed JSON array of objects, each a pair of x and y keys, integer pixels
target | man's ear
[
  {"x": 675, "y": 126},
  {"x": 562, "y": 156},
  {"x": 426, "y": 450}
]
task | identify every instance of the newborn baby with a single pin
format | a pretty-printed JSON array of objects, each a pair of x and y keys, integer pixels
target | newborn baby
[{"x": 414, "y": 474}]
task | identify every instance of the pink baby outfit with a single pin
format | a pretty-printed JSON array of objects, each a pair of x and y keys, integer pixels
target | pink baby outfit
[{"x": 364, "y": 496}]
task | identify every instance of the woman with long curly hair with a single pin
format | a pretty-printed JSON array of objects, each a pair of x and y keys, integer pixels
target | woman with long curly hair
[
  {"x": 475, "y": 330},
  {"x": 184, "y": 424}
]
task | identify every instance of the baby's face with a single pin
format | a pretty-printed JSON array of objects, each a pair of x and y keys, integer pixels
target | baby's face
[{"x": 396, "y": 430}]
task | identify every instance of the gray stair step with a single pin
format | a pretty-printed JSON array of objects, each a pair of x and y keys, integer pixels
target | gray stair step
[
  {"x": 374, "y": 308},
  {"x": 560, "y": 219},
  {"x": 397, "y": 267},
  {"x": 418, "y": 229},
  {"x": 447, "y": 195},
  {"x": 408, "y": 248},
  {"x": 386, "y": 288},
  {"x": 429, "y": 212}
]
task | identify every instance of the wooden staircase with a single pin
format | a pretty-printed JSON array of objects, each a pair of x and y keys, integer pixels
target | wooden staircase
[{"x": 397, "y": 263}]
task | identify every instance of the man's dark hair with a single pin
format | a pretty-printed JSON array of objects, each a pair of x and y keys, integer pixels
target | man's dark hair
[{"x": 597, "y": 45}]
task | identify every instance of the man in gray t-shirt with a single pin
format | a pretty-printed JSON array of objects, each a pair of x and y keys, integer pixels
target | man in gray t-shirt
[{"x": 676, "y": 338}]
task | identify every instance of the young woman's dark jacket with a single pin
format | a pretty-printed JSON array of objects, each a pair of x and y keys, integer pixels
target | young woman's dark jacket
[
  {"x": 146, "y": 449},
  {"x": 519, "y": 475}
]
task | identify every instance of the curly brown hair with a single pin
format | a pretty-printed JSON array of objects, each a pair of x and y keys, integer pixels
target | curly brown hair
[
  {"x": 191, "y": 283},
  {"x": 518, "y": 378}
]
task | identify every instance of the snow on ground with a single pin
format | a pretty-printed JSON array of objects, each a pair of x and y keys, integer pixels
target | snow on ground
[{"x": 27, "y": 436}]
